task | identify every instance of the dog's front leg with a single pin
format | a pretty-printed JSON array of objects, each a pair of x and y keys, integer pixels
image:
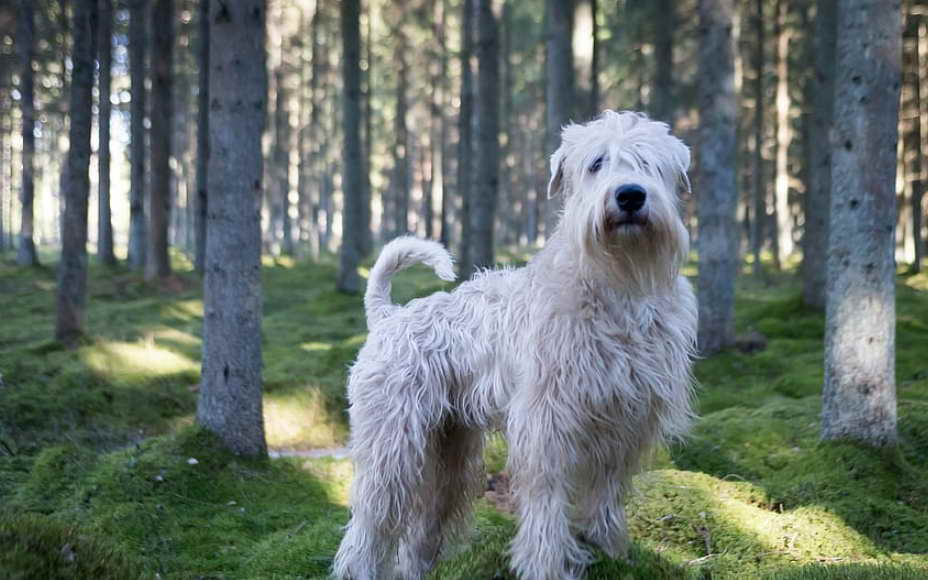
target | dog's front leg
[{"x": 540, "y": 461}]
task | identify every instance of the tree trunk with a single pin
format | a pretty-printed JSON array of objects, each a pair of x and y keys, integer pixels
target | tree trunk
[
  {"x": 312, "y": 187},
  {"x": 784, "y": 233},
  {"x": 859, "y": 399},
  {"x": 352, "y": 162},
  {"x": 64, "y": 27},
  {"x": 105, "y": 220},
  {"x": 444, "y": 234},
  {"x": 230, "y": 389},
  {"x": 465, "y": 178},
  {"x": 138, "y": 227},
  {"x": 718, "y": 197},
  {"x": 158, "y": 263},
  {"x": 664, "y": 27},
  {"x": 367, "y": 236},
  {"x": 483, "y": 208},
  {"x": 25, "y": 41},
  {"x": 758, "y": 190},
  {"x": 280, "y": 166},
  {"x": 512, "y": 196},
  {"x": 913, "y": 136},
  {"x": 594, "y": 62},
  {"x": 815, "y": 235},
  {"x": 401, "y": 158},
  {"x": 202, "y": 203},
  {"x": 72, "y": 269},
  {"x": 559, "y": 87}
]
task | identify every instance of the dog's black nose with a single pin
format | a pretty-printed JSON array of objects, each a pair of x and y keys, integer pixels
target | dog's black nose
[{"x": 630, "y": 197}]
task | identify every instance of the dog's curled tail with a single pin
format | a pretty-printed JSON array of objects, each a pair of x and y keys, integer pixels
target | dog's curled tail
[{"x": 400, "y": 254}]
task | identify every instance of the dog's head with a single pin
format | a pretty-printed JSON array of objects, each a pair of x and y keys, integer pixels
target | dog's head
[{"x": 621, "y": 175}]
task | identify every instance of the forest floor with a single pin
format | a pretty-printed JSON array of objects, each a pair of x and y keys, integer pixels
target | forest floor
[{"x": 103, "y": 473}]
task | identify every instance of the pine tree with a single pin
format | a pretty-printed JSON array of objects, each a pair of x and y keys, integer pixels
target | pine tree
[
  {"x": 859, "y": 399},
  {"x": 72, "y": 269},
  {"x": 718, "y": 198},
  {"x": 230, "y": 390}
]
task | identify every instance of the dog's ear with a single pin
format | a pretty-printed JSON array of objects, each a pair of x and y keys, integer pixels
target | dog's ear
[{"x": 556, "y": 184}]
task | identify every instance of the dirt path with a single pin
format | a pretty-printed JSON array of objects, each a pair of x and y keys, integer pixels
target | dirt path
[{"x": 333, "y": 452}]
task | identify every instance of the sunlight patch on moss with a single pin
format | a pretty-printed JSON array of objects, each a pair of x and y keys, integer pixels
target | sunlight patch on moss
[
  {"x": 316, "y": 346},
  {"x": 300, "y": 419},
  {"x": 918, "y": 281},
  {"x": 175, "y": 335},
  {"x": 135, "y": 360},
  {"x": 337, "y": 473},
  {"x": 184, "y": 310}
]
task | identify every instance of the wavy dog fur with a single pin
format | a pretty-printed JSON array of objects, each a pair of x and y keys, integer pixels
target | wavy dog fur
[{"x": 582, "y": 358}]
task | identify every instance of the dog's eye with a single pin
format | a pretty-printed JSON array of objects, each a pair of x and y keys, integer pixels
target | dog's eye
[{"x": 597, "y": 165}]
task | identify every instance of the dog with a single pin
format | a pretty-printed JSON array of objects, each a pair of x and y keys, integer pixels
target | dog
[{"x": 582, "y": 358}]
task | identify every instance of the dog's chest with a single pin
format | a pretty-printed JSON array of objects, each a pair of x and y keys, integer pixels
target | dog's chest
[{"x": 633, "y": 358}]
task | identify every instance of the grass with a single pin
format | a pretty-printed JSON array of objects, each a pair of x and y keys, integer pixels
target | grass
[{"x": 104, "y": 475}]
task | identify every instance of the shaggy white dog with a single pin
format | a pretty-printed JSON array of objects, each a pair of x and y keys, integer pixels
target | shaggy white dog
[{"x": 582, "y": 359}]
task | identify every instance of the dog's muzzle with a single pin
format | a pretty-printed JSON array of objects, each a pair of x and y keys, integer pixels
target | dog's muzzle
[{"x": 630, "y": 204}]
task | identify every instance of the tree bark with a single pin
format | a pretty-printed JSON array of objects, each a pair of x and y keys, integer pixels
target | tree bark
[
  {"x": 559, "y": 87},
  {"x": 594, "y": 62},
  {"x": 815, "y": 235},
  {"x": 784, "y": 222},
  {"x": 401, "y": 150},
  {"x": 913, "y": 136},
  {"x": 230, "y": 391},
  {"x": 664, "y": 27},
  {"x": 348, "y": 279},
  {"x": 367, "y": 236},
  {"x": 158, "y": 262},
  {"x": 859, "y": 398},
  {"x": 444, "y": 234},
  {"x": 465, "y": 173},
  {"x": 758, "y": 190},
  {"x": 483, "y": 208},
  {"x": 105, "y": 220},
  {"x": 202, "y": 201},
  {"x": 25, "y": 41},
  {"x": 718, "y": 197},
  {"x": 280, "y": 166},
  {"x": 72, "y": 269},
  {"x": 138, "y": 237}
]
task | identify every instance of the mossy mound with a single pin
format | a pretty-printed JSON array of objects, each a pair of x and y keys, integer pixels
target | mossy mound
[
  {"x": 35, "y": 546},
  {"x": 181, "y": 504}
]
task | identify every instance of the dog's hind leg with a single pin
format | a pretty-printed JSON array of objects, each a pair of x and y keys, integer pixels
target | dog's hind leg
[
  {"x": 391, "y": 426},
  {"x": 452, "y": 478}
]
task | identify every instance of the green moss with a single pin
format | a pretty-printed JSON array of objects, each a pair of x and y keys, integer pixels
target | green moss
[
  {"x": 182, "y": 503},
  {"x": 38, "y": 547},
  {"x": 849, "y": 572}
]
